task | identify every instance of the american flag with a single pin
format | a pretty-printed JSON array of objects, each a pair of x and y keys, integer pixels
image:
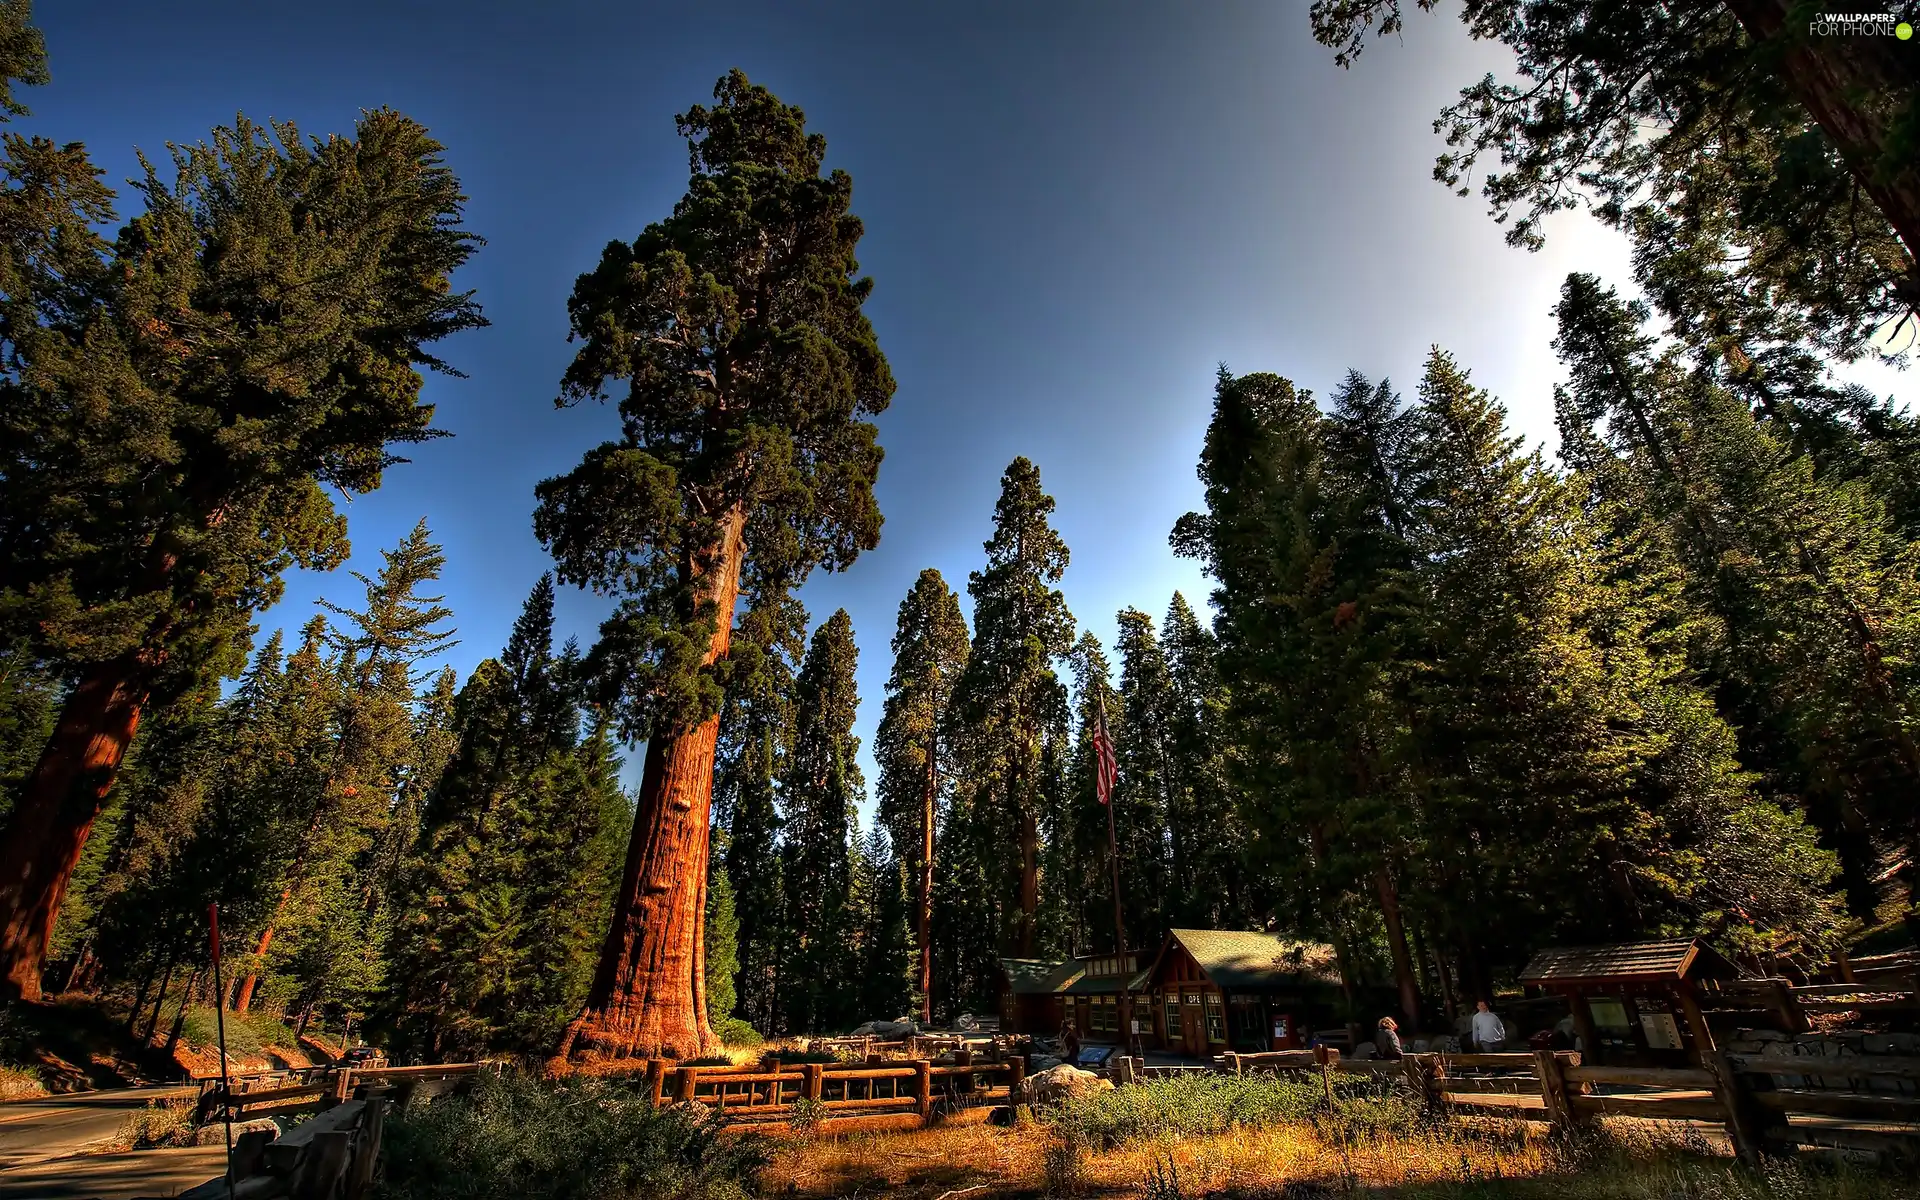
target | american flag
[{"x": 1107, "y": 768}]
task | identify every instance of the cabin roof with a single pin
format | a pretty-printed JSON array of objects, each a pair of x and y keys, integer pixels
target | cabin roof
[
  {"x": 1249, "y": 961},
  {"x": 1039, "y": 976},
  {"x": 1671, "y": 960}
]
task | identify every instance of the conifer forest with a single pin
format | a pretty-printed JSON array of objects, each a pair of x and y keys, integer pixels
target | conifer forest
[{"x": 1452, "y": 697}]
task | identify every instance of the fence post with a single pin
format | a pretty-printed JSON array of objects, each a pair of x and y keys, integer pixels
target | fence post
[
  {"x": 1553, "y": 1088},
  {"x": 923, "y": 1087},
  {"x": 1746, "y": 1122},
  {"x": 689, "y": 1080},
  {"x": 1791, "y": 1014},
  {"x": 366, "y": 1149},
  {"x": 1233, "y": 1062},
  {"x": 816, "y": 1076},
  {"x": 1016, "y": 1073},
  {"x": 1426, "y": 1072},
  {"x": 342, "y": 1089},
  {"x": 656, "y": 1080}
]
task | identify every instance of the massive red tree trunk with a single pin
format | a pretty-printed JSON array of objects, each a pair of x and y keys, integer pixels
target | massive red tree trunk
[
  {"x": 649, "y": 994},
  {"x": 55, "y": 812},
  {"x": 1832, "y": 77},
  {"x": 926, "y": 879}
]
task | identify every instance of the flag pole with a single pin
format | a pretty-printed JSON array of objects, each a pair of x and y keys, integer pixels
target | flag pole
[
  {"x": 220, "y": 1027},
  {"x": 1113, "y": 857}
]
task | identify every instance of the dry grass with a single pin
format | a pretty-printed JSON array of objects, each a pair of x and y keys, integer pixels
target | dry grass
[
  {"x": 20, "y": 1083},
  {"x": 1303, "y": 1161},
  {"x": 154, "y": 1126}
]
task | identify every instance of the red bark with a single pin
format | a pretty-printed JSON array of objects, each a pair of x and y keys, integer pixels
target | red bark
[
  {"x": 243, "y": 995},
  {"x": 56, "y": 811},
  {"x": 649, "y": 994}
]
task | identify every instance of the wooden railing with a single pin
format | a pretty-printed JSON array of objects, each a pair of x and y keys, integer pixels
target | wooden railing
[
  {"x": 836, "y": 1097},
  {"x": 275, "y": 1092},
  {"x": 332, "y": 1155},
  {"x": 1742, "y": 1092}
]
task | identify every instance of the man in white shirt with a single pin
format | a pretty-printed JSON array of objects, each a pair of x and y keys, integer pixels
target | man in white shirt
[{"x": 1488, "y": 1033}]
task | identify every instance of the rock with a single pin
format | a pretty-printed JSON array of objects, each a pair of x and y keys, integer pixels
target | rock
[
  {"x": 1061, "y": 1082},
  {"x": 216, "y": 1134},
  {"x": 866, "y": 1030}
]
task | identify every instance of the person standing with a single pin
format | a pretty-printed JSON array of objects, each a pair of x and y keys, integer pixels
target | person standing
[
  {"x": 1386, "y": 1039},
  {"x": 1069, "y": 1042},
  {"x": 1489, "y": 1035}
]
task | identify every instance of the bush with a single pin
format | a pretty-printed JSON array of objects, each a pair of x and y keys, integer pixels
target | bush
[
  {"x": 735, "y": 1032},
  {"x": 787, "y": 1057},
  {"x": 571, "y": 1139},
  {"x": 155, "y": 1126},
  {"x": 247, "y": 1033},
  {"x": 1189, "y": 1105}
]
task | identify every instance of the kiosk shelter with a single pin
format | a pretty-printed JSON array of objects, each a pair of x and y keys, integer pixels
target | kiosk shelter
[
  {"x": 1213, "y": 990},
  {"x": 1634, "y": 1003}
]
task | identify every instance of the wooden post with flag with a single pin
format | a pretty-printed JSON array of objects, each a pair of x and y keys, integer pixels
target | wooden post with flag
[
  {"x": 1106, "y": 774},
  {"x": 220, "y": 1029}
]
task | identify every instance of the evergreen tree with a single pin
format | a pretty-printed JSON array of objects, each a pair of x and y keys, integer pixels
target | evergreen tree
[
  {"x": 722, "y": 945},
  {"x": 1009, "y": 700},
  {"x": 1804, "y": 596},
  {"x": 820, "y": 791},
  {"x": 1202, "y": 820},
  {"x": 887, "y": 960},
  {"x": 745, "y": 456},
  {"x": 916, "y": 774},
  {"x": 1710, "y": 131},
  {"x": 1152, "y": 785},
  {"x": 139, "y": 537},
  {"x": 1079, "y": 866}
]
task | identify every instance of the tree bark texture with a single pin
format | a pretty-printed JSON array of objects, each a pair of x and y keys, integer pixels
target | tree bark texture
[
  {"x": 1403, "y": 972},
  {"x": 649, "y": 994},
  {"x": 56, "y": 810},
  {"x": 1831, "y": 77}
]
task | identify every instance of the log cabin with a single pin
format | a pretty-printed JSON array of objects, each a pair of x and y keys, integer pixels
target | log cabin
[{"x": 1213, "y": 990}]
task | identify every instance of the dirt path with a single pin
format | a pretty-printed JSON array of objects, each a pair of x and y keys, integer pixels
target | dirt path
[{"x": 51, "y": 1127}]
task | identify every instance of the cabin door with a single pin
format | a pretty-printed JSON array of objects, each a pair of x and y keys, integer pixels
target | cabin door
[{"x": 1193, "y": 1024}]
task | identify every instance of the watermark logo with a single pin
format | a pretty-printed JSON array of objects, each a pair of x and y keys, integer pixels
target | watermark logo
[{"x": 1860, "y": 24}]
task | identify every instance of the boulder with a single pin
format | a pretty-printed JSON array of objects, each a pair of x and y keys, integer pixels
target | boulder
[
  {"x": 216, "y": 1133},
  {"x": 1061, "y": 1082}
]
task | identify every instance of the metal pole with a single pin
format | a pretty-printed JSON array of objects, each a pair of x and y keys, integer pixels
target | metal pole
[
  {"x": 220, "y": 1028},
  {"x": 1119, "y": 925}
]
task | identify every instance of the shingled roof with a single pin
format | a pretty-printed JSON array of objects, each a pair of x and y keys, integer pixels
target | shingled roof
[
  {"x": 1039, "y": 976},
  {"x": 1245, "y": 961},
  {"x": 1675, "y": 959}
]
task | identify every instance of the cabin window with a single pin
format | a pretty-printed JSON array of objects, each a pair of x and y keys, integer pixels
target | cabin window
[
  {"x": 1173, "y": 1016},
  {"x": 1216, "y": 1018},
  {"x": 1106, "y": 1016}
]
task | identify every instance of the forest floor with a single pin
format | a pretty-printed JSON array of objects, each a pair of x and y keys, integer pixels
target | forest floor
[
  {"x": 1459, "y": 1161},
  {"x": 76, "y": 1043}
]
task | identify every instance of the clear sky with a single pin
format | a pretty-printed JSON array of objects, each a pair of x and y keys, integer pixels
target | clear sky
[{"x": 1075, "y": 211}]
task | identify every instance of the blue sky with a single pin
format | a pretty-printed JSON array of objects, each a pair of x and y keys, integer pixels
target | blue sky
[{"x": 1075, "y": 211}]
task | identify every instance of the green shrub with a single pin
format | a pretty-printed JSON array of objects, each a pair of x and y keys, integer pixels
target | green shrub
[
  {"x": 522, "y": 1138},
  {"x": 247, "y": 1033},
  {"x": 1186, "y": 1105},
  {"x": 735, "y": 1032},
  {"x": 785, "y": 1057},
  {"x": 707, "y": 1060}
]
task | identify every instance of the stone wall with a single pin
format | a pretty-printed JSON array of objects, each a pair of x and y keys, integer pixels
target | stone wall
[{"x": 1857, "y": 1049}]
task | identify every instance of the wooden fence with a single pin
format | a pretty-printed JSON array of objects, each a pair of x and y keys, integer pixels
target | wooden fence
[
  {"x": 332, "y": 1155},
  {"x": 842, "y": 1097},
  {"x": 1744, "y": 1093},
  {"x": 285, "y": 1092}
]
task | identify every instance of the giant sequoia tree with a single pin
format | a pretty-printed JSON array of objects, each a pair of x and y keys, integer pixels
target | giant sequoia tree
[
  {"x": 929, "y": 654},
  {"x": 744, "y": 461},
  {"x": 178, "y": 404}
]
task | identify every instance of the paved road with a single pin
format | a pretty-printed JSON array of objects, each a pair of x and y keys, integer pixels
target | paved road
[
  {"x": 56, "y": 1126},
  {"x": 134, "y": 1176}
]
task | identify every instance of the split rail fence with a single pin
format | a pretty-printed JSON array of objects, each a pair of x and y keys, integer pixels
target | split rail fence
[
  {"x": 843, "y": 1098},
  {"x": 1747, "y": 1094}
]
